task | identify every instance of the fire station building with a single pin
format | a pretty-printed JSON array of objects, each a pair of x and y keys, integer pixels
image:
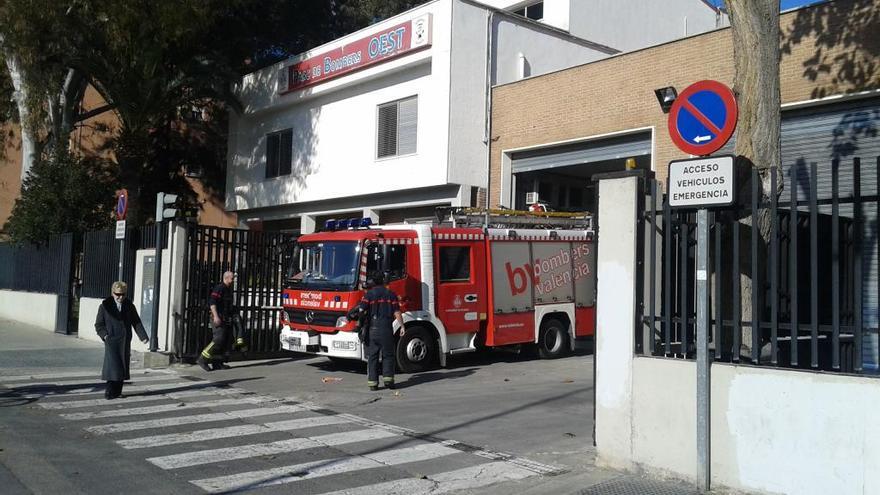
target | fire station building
[
  {"x": 601, "y": 115},
  {"x": 593, "y": 118},
  {"x": 391, "y": 121}
]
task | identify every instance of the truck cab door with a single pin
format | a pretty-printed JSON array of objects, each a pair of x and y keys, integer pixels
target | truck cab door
[{"x": 460, "y": 275}]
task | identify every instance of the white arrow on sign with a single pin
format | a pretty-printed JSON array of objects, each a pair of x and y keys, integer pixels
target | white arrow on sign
[{"x": 700, "y": 139}]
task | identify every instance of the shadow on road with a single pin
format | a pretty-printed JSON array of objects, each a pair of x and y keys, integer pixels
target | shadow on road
[{"x": 14, "y": 396}]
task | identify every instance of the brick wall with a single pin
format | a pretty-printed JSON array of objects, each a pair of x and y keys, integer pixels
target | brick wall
[
  {"x": 617, "y": 94},
  {"x": 90, "y": 139}
]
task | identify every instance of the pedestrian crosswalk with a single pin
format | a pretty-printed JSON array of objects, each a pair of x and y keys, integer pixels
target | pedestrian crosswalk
[{"x": 225, "y": 439}]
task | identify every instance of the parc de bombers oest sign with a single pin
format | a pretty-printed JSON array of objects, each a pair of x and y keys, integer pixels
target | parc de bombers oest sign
[{"x": 376, "y": 48}]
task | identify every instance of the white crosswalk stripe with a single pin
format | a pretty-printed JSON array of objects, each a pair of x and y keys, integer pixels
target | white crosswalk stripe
[
  {"x": 230, "y": 432},
  {"x": 468, "y": 478},
  {"x": 272, "y": 448},
  {"x": 188, "y": 420},
  {"x": 316, "y": 469},
  {"x": 179, "y": 406}
]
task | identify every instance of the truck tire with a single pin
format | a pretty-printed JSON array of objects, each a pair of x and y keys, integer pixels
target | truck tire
[
  {"x": 416, "y": 350},
  {"x": 553, "y": 341}
]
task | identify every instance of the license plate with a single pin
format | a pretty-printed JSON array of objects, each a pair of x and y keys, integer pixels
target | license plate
[{"x": 294, "y": 341}]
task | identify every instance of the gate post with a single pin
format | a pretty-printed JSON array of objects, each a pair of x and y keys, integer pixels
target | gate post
[
  {"x": 64, "y": 287},
  {"x": 616, "y": 269}
]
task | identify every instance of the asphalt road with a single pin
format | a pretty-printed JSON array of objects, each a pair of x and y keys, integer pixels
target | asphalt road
[{"x": 300, "y": 424}]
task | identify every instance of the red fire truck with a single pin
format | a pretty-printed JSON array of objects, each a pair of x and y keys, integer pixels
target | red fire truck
[{"x": 528, "y": 279}]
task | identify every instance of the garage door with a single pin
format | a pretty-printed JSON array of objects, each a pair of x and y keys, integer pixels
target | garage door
[
  {"x": 844, "y": 132},
  {"x": 617, "y": 148}
]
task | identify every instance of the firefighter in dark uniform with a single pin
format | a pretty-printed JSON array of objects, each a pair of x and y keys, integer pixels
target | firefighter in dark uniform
[
  {"x": 381, "y": 307},
  {"x": 223, "y": 319}
]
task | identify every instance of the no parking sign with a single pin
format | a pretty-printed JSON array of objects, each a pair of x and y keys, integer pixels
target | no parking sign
[
  {"x": 121, "y": 204},
  {"x": 703, "y": 118}
]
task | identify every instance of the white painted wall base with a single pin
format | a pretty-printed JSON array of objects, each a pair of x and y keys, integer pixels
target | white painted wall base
[
  {"x": 88, "y": 310},
  {"x": 31, "y": 308},
  {"x": 773, "y": 430}
]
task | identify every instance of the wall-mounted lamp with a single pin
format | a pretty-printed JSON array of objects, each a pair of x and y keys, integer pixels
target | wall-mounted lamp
[{"x": 666, "y": 97}]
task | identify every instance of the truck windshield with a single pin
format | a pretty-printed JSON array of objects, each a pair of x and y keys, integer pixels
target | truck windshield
[{"x": 324, "y": 266}]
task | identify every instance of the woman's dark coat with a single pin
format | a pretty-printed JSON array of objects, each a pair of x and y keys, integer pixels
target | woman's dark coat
[{"x": 115, "y": 330}]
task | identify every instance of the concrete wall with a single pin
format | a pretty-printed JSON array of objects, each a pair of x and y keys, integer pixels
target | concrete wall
[
  {"x": 88, "y": 311},
  {"x": 615, "y": 314},
  {"x": 32, "y": 308},
  {"x": 544, "y": 50},
  {"x": 623, "y": 24},
  {"x": 632, "y": 24},
  {"x": 515, "y": 41},
  {"x": 772, "y": 430}
]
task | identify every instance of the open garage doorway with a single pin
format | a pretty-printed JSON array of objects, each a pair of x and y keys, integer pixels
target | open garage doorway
[{"x": 561, "y": 176}]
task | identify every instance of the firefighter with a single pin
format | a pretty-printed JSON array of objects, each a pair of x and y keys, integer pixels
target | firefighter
[
  {"x": 223, "y": 319},
  {"x": 381, "y": 306}
]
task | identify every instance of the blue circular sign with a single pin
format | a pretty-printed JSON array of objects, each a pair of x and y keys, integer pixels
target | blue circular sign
[
  {"x": 121, "y": 204},
  {"x": 703, "y": 118}
]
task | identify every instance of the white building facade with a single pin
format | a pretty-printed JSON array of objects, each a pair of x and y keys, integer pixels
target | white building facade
[{"x": 391, "y": 121}]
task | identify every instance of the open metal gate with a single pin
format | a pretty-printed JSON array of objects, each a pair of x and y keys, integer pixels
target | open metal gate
[{"x": 258, "y": 260}]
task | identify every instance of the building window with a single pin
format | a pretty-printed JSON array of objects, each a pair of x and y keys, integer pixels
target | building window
[
  {"x": 396, "y": 128},
  {"x": 279, "y": 153},
  {"x": 455, "y": 264},
  {"x": 534, "y": 11}
]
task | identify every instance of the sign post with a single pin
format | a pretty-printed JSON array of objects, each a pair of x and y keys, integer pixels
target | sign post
[
  {"x": 121, "y": 210},
  {"x": 701, "y": 121}
]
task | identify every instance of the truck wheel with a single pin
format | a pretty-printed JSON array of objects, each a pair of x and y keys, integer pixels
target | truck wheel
[
  {"x": 416, "y": 350},
  {"x": 553, "y": 342}
]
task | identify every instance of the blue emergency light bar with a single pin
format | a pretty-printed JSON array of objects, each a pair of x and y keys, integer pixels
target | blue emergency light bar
[{"x": 352, "y": 223}]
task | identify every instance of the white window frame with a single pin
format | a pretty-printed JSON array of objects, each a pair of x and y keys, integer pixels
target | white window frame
[{"x": 397, "y": 153}]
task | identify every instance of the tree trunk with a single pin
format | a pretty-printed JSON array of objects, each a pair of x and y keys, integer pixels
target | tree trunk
[
  {"x": 755, "y": 31},
  {"x": 20, "y": 95}
]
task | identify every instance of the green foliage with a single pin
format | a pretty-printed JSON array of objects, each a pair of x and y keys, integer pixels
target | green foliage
[
  {"x": 63, "y": 193},
  {"x": 355, "y": 14},
  {"x": 153, "y": 61}
]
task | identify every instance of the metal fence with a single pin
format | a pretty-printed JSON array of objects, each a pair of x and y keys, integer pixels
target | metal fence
[
  {"x": 36, "y": 267},
  {"x": 100, "y": 258},
  {"x": 812, "y": 275},
  {"x": 257, "y": 258},
  {"x": 45, "y": 267}
]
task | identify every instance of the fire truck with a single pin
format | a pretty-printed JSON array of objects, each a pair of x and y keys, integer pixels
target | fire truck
[{"x": 478, "y": 279}]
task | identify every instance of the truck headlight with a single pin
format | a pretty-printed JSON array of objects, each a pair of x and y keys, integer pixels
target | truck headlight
[{"x": 341, "y": 321}]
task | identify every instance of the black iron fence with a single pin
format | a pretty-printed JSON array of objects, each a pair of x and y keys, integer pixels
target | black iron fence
[
  {"x": 793, "y": 281},
  {"x": 257, "y": 259},
  {"x": 46, "y": 267},
  {"x": 36, "y": 267},
  {"x": 100, "y": 258}
]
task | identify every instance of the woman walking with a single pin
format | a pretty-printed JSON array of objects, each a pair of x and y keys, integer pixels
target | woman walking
[{"x": 116, "y": 317}]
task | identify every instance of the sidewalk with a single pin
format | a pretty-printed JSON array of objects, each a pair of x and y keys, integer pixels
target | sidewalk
[{"x": 27, "y": 349}]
